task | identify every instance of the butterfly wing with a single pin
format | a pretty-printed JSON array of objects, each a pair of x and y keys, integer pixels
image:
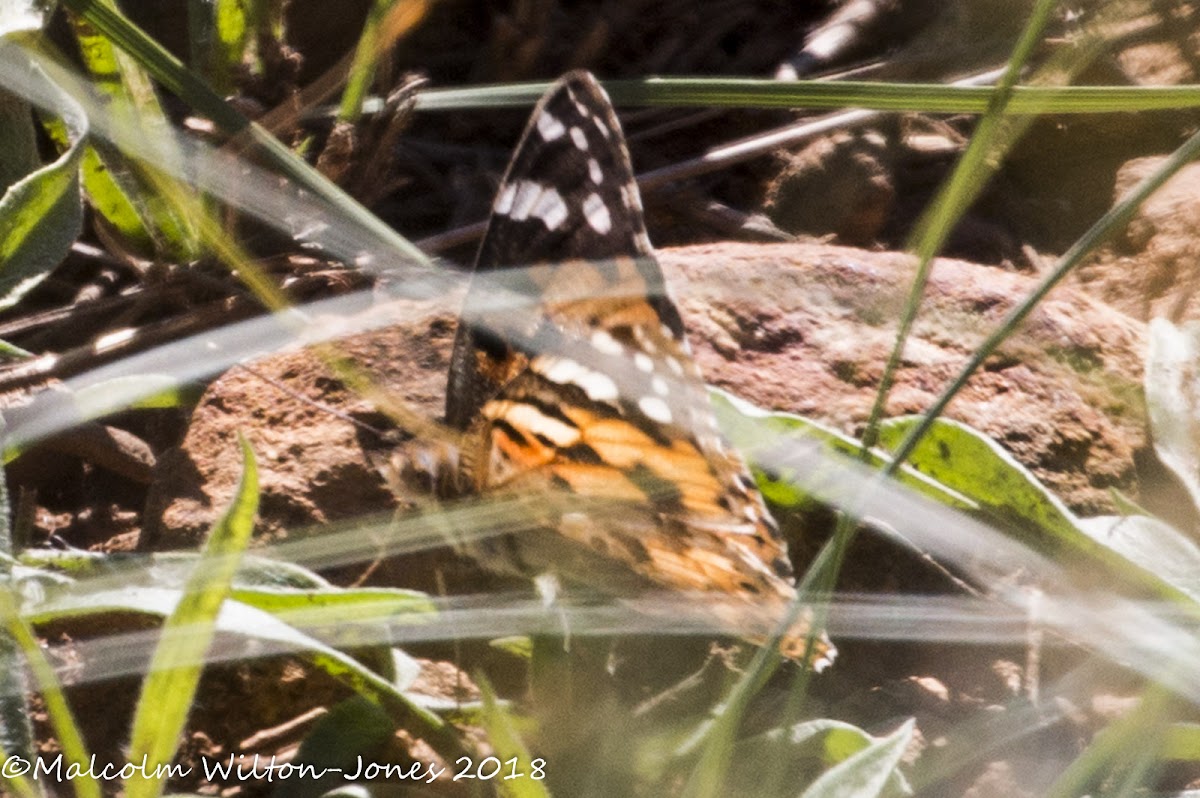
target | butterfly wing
[
  {"x": 569, "y": 192},
  {"x": 594, "y": 394}
]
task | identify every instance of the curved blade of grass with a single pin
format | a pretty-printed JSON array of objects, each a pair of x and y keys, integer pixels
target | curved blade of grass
[
  {"x": 271, "y": 636},
  {"x": 386, "y": 21},
  {"x": 19, "y": 637},
  {"x": 167, "y": 692},
  {"x": 62, "y": 720},
  {"x": 1132, "y": 740},
  {"x": 992, "y": 138},
  {"x": 340, "y": 617}
]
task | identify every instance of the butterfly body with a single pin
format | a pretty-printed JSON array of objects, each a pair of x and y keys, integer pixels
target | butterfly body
[{"x": 588, "y": 391}]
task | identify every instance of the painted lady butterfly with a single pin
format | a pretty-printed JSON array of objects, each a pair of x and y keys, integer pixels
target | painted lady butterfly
[{"x": 595, "y": 396}]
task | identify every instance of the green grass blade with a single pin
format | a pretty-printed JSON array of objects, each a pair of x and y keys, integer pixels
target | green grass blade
[
  {"x": 62, "y": 720},
  {"x": 167, "y": 692},
  {"x": 1132, "y": 740},
  {"x": 1107, "y": 225},
  {"x": 681, "y": 92},
  {"x": 980, "y": 160},
  {"x": 520, "y": 769},
  {"x": 366, "y": 58},
  {"x": 16, "y": 733}
]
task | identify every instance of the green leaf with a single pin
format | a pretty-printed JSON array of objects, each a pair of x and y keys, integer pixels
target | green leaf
[
  {"x": 1153, "y": 545},
  {"x": 167, "y": 692},
  {"x": 969, "y": 462},
  {"x": 974, "y": 465},
  {"x": 872, "y": 770},
  {"x": 800, "y": 754},
  {"x": 753, "y": 430},
  {"x": 117, "y": 189},
  {"x": 41, "y": 213}
]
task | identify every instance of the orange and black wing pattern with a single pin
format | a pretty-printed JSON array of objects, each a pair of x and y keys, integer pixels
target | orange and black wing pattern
[{"x": 588, "y": 389}]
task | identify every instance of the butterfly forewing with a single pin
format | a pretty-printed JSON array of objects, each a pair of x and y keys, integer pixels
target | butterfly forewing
[
  {"x": 568, "y": 193},
  {"x": 591, "y": 391}
]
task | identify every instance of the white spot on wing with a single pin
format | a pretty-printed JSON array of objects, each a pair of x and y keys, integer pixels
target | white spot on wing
[
  {"x": 532, "y": 199},
  {"x": 643, "y": 362},
  {"x": 551, "y": 209},
  {"x": 561, "y": 370},
  {"x": 604, "y": 131},
  {"x": 579, "y": 138},
  {"x": 606, "y": 343},
  {"x": 659, "y": 386},
  {"x": 504, "y": 200},
  {"x": 655, "y": 409},
  {"x": 596, "y": 213},
  {"x": 527, "y": 193},
  {"x": 549, "y": 127},
  {"x": 598, "y": 387},
  {"x": 595, "y": 172}
]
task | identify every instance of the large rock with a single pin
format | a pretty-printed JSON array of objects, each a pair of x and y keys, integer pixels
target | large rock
[{"x": 798, "y": 327}]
